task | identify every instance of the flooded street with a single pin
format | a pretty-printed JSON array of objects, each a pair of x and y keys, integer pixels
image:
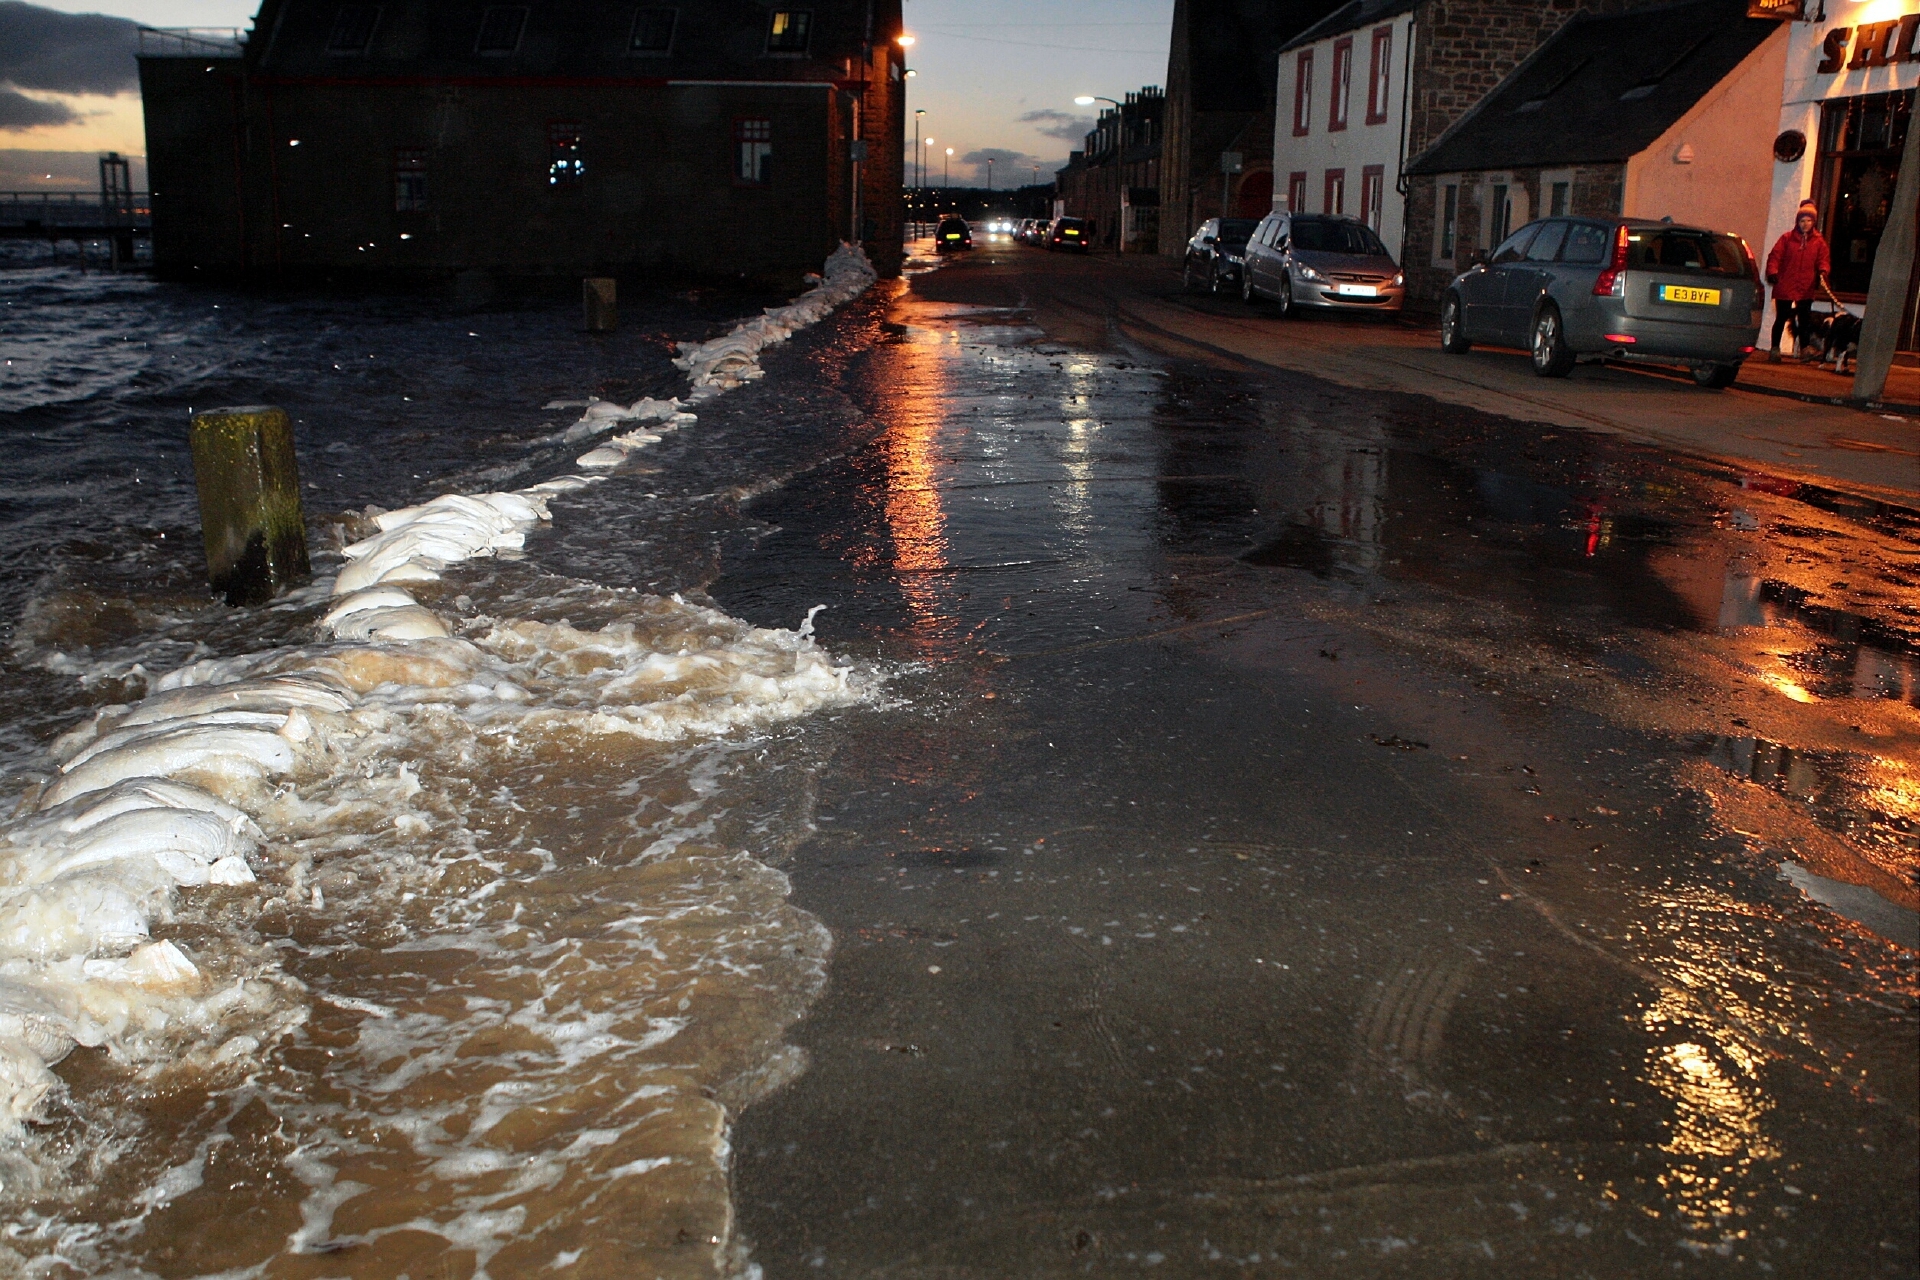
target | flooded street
[
  {"x": 1332, "y": 833},
  {"x": 1219, "y": 823}
]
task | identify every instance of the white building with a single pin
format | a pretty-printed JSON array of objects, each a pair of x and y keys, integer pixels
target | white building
[
  {"x": 1852, "y": 66},
  {"x": 1340, "y": 122}
]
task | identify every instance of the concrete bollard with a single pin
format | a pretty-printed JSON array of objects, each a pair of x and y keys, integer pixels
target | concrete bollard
[
  {"x": 250, "y": 512},
  {"x": 603, "y": 314}
]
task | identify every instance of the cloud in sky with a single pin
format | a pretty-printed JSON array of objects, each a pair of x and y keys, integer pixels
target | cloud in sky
[
  {"x": 18, "y": 111},
  {"x": 1063, "y": 125},
  {"x": 55, "y": 52}
]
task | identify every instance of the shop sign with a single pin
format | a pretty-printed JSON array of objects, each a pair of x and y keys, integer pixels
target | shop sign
[
  {"x": 1782, "y": 10},
  {"x": 1874, "y": 44}
]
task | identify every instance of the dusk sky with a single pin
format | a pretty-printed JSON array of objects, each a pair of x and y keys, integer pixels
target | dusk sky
[{"x": 996, "y": 78}]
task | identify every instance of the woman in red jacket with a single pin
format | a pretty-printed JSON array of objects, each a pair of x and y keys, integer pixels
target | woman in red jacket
[{"x": 1795, "y": 268}]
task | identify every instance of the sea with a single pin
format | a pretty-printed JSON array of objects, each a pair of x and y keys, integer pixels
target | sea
[{"x": 511, "y": 943}]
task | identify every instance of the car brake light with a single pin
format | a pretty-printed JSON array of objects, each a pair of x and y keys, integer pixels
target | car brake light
[
  {"x": 1624, "y": 339},
  {"x": 1608, "y": 282},
  {"x": 1746, "y": 351}
]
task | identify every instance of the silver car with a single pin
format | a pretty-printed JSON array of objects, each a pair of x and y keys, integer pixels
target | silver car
[
  {"x": 1320, "y": 260},
  {"x": 1574, "y": 289}
]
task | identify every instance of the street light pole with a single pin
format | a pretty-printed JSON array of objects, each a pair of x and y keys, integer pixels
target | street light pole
[
  {"x": 946, "y": 171},
  {"x": 1120, "y": 166},
  {"x": 989, "y": 179},
  {"x": 916, "y": 157}
]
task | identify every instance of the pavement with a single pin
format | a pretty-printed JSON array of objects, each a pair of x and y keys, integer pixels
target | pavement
[
  {"x": 1770, "y": 417},
  {"x": 1322, "y": 828}
]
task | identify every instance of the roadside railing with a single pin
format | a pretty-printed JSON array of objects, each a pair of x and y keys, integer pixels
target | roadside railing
[
  {"x": 191, "y": 42},
  {"x": 71, "y": 209}
]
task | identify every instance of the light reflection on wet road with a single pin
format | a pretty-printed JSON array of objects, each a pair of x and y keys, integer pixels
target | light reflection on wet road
[{"x": 1324, "y": 834}]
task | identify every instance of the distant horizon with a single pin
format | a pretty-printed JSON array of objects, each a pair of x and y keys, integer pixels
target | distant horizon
[{"x": 995, "y": 78}]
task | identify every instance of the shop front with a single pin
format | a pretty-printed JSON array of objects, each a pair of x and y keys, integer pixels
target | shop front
[{"x": 1852, "y": 67}]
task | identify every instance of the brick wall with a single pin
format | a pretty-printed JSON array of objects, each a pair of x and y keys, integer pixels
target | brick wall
[{"x": 1596, "y": 191}]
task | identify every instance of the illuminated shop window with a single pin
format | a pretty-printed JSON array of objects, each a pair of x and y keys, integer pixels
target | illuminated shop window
[{"x": 566, "y": 162}]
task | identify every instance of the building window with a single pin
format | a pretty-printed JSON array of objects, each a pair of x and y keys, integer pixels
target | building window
[
  {"x": 353, "y": 28},
  {"x": 1303, "y": 93},
  {"x": 788, "y": 30},
  {"x": 1449, "y": 219},
  {"x": 1373, "y": 184},
  {"x": 410, "y": 180},
  {"x": 500, "y": 28},
  {"x": 566, "y": 160},
  {"x": 1853, "y": 178},
  {"x": 653, "y": 31},
  {"x": 1380, "y": 75},
  {"x": 1297, "y": 191},
  {"x": 1336, "y": 191},
  {"x": 1342, "y": 83},
  {"x": 752, "y": 152},
  {"x": 1499, "y": 212},
  {"x": 1559, "y": 196}
]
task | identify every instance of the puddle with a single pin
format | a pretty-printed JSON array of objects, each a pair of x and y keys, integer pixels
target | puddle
[
  {"x": 1862, "y": 906},
  {"x": 1858, "y": 796}
]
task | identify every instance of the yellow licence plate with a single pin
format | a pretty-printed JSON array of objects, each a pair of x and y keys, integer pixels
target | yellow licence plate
[{"x": 1685, "y": 293}]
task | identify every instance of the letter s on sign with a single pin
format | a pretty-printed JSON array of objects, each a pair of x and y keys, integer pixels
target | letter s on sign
[{"x": 1835, "y": 47}]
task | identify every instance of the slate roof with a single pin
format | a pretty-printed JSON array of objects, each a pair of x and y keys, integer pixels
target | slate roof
[
  {"x": 1231, "y": 46},
  {"x": 1602, "y": 89},
  {"x": 1351, "y": 17}
]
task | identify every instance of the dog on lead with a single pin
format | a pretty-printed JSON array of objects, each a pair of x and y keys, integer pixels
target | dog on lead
[{"x": 1838, "y": 336}]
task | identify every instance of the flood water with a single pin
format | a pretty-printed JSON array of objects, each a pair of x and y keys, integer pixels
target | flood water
[{"x": 1219, "y": 824}]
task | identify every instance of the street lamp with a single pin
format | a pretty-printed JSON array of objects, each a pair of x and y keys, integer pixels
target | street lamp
[
  {"x": 989, "y": 179},
  {"x": 916, "y": 156},
  {"x": 946, "y": 171},
  {"x": 1120, "y": 169}
]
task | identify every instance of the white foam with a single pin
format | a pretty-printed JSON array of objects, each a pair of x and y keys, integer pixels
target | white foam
[{"x": 167, "y": 794}]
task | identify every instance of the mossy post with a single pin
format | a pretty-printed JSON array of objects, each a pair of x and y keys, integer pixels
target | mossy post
[
  {"x": 603, "y": 312},
  {"x": 250, "y": 511}
]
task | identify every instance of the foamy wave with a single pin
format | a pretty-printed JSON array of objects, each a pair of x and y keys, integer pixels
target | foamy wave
[{"x": 194, "y": 788}]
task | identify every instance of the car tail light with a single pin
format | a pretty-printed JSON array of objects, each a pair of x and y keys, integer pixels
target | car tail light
[
  {"x": 1608, "y": 283},
  {"x": 1624, "y": 339},
  {"x": 1746, "y": 351}
]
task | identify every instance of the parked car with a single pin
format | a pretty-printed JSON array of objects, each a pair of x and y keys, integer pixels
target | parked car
[
  {"x": 1572, "y": 289},
  {"x": 1320, "y": 260},
  {"x": 1216, "y": 253},
  {"x": 1071, "y": 235},
  {"x": 952, "y": 233},
  {"x": 1024, "y": 233}
]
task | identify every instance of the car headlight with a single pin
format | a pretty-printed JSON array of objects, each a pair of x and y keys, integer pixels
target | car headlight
[
  {"x": 1308, "y": 273},
  {"x": 1399, "y": 278}
]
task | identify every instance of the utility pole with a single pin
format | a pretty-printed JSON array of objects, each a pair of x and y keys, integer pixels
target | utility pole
[{"x": 1892, "y": 270}]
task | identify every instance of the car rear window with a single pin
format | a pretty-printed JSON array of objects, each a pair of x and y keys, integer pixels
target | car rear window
[
  {"x": 953, "y": 224},
  {"x": 1587, "y": 244},
  {"x": 1317, "y": 236},
  {"x": 1685, "y": 252}
]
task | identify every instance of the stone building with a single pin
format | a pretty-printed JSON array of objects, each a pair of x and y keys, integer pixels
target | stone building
[
  {"x": 1648, "y": 113},
  {"x": 418, "y": 138},
  {"x": 1220, "y": 102},
  {"x": 1114, "y": 179}
]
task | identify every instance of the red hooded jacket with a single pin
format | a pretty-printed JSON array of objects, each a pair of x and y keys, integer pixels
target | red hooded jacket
[{"x": 1796, "y": 264}]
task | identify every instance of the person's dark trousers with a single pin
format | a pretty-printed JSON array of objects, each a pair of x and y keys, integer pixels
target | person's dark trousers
[{"x": 1799, "y": 313}]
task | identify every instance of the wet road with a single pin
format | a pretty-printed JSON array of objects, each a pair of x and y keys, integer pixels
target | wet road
[{"x": 1331, "y": 833}]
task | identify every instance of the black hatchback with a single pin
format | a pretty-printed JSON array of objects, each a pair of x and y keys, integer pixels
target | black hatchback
[
  {"x": 1072, "y": 235},
  {"x": 953, "y": 233}
]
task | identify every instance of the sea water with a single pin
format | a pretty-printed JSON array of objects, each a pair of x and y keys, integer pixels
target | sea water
[{"x": 425, "y": 921}]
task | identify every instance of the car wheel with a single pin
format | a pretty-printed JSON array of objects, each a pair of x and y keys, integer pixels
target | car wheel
[
  {"x": 1186, "y": 276},
  {"x": 1716, "y": 376},
  {"x": 1552, "y": 358},
  {"x": 1213, "y": 279},
  {"x": 1453, "y": 340},
  {"x": 1283, "y": 301},
  {"x": 1247, "y": 294}
]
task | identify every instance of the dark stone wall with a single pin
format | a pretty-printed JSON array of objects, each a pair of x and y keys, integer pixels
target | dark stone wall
[{"x": 195, "y": 163}]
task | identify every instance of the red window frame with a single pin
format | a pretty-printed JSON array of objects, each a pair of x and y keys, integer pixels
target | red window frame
[
  {"x": 1336, "y": 192},
  {"x": 1303, "y": 93},
  {"x": 1380, "y": 75},
  {"x": 1342, "y": 84},
  {"x": 1373, "y": 192},
  {"x": 1297, "y": 191}
]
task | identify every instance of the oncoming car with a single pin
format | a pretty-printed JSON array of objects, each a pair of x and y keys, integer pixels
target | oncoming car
[{"x": 1573, "y": 289}]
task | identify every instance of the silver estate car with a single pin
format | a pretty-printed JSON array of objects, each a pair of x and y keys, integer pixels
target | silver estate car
[
  {"x": 1574, "y": 289},
  {"x": 1320, "y": 260}
]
